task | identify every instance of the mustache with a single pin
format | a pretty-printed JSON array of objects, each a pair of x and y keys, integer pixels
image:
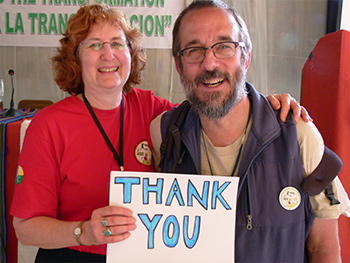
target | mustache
[{"x": 207, "y": 75}]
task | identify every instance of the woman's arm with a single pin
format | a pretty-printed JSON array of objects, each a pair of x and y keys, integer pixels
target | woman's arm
[{"x": 50, "y": 233}]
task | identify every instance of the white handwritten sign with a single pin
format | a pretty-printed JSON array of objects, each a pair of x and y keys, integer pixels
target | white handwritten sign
[{"x": 180, "y": 218}]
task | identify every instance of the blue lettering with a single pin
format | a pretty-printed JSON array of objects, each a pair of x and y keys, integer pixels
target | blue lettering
[
  {"x": 192, "y": 192},
  {"x": 190, "y": 242},
  {"x": 171, "y": 241},
  {"x": 151, "y": 226},
  {"x": 158, "y": 189},
  {"x": 217, "y": 195},
  {"x": 175, "y": 191},
  {"x": 128, "y": 182}
]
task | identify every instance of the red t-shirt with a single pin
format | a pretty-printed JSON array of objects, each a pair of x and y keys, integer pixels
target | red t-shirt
[{"x": 66, "y": 162}]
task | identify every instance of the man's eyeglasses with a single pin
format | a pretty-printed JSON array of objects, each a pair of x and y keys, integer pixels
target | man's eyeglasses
[
  {"x": 221, "y": 50},
  {"x": 98, "y": 45}
]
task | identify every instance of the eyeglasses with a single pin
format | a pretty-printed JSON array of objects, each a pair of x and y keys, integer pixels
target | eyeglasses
[
  {"x": 98, "y": 45},
  {"x": 220, "y": 50}
]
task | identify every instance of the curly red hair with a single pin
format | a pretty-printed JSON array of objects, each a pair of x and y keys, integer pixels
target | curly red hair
[{"x": 66, "y": 66}]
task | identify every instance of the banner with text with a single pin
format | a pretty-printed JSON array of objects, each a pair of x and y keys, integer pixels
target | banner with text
[
  {"x": 39, "y": 23},
  {"x": 180, "y": 218}
]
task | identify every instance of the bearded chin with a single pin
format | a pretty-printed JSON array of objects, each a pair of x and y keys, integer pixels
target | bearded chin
[{"x": 211, "y": 108}]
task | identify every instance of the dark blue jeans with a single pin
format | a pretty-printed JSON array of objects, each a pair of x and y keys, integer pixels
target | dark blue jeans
[{"x": 67, "y": 255}]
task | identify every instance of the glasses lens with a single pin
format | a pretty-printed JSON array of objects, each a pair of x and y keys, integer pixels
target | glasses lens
[
  {"x": 224, "y": 50},
  {"x": 117, "y": 45},
  {"x": 98, "y": 45},
  {"x": 95, "y": 45},
  {"x": 194, "y": 54}
]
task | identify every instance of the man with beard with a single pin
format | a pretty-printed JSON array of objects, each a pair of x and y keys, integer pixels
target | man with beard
[{"x": 231, "y": 130}]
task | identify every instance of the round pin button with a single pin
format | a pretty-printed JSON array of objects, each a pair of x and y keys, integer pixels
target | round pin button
[{"x": 290, "y": 198}]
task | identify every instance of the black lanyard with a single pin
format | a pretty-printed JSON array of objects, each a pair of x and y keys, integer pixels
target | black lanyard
[
  {"x": 240, "y": 148},
  {"x": 118, "y": 158}
]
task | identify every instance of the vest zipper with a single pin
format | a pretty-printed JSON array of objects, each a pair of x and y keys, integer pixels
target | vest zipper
[
  {"x": 249, "y": 215},
  {"x": 249, "y": 206}
]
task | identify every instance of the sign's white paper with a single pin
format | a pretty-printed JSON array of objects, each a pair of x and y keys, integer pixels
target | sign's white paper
[{"x": 180, "y": 218}]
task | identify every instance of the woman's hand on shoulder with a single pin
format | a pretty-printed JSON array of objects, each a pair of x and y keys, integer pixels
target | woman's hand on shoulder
[{"x": 286, "y": 102}]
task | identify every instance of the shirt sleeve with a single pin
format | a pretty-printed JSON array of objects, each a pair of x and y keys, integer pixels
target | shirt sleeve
[
  {"x": 160, "y": 105},
  {"x": 36, "y": 194},
  {"x": 311, "y": 150},
  {"x": 156, "y": 138}
]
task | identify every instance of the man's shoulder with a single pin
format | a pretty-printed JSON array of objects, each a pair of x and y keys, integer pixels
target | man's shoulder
[
  {"x": 179, "y": 112},
  {"x": 155, "y": 123},
  {"x": 308, "y": 133}
]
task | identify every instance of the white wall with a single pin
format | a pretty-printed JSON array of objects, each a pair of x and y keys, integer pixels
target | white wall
[
  {"x": 345, "y": 18},
  {"x": 284, "y": 32}
]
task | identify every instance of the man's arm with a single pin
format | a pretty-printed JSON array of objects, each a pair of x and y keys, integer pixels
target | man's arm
[
  {"x": 156, "y": 139},
  {"x": 323, "y": 241}
]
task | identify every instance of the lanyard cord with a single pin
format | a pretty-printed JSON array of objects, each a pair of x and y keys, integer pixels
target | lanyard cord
[
  {"x": 118, "y": 158},
  {"x": 240, "y": 148}
]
